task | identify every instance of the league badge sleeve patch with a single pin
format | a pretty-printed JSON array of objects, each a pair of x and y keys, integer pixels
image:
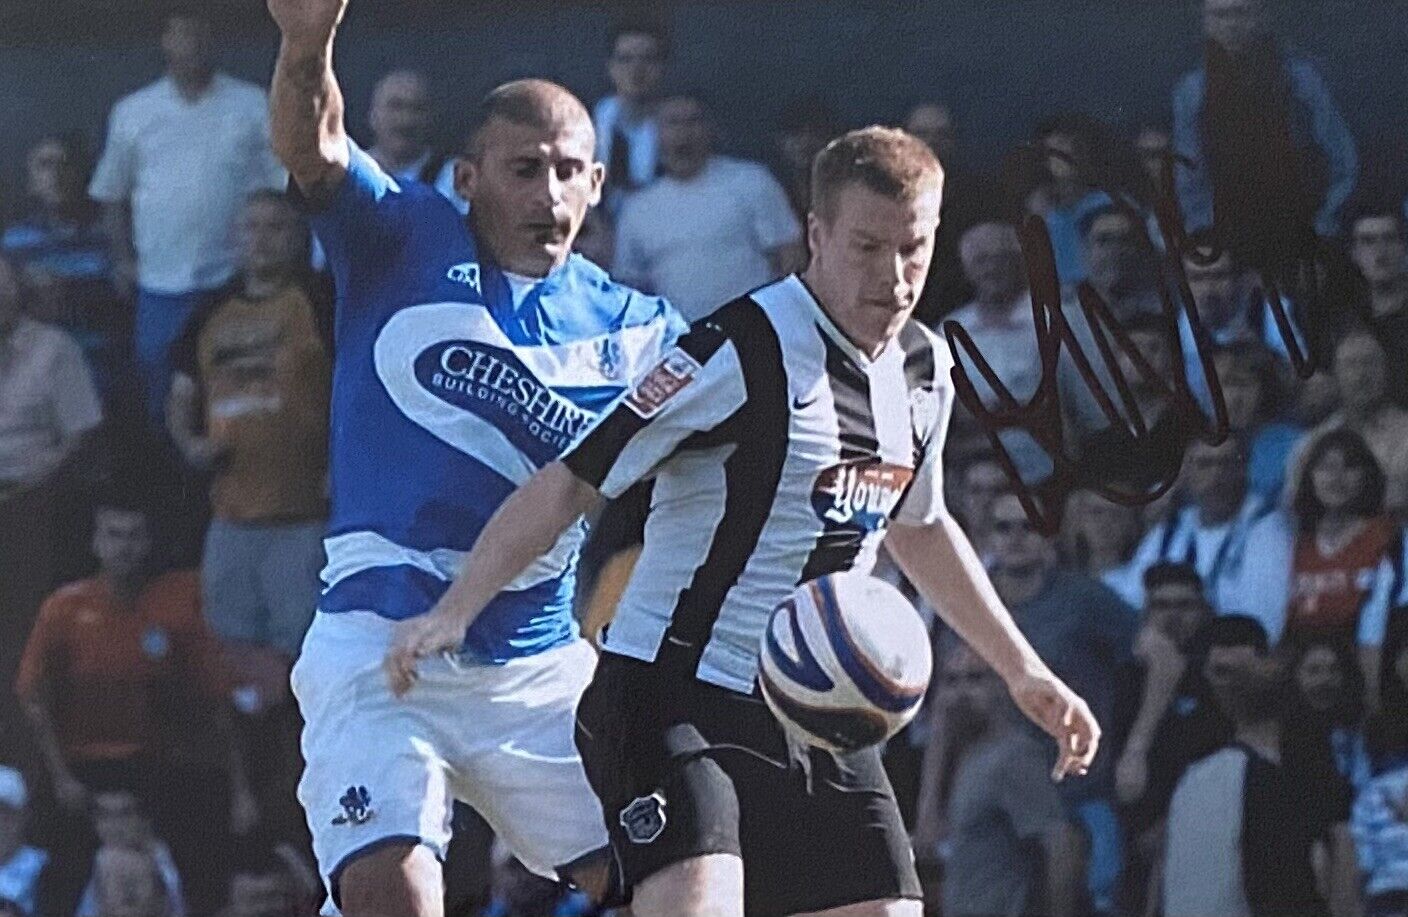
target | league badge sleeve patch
[{"x": 667, "y": 379}]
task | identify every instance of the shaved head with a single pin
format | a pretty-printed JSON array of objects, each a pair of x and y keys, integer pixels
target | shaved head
[
  {"x": 538, "y": 104},
  {"x": 530, "y": 174}
]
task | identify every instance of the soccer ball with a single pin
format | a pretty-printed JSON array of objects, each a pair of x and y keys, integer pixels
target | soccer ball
[{"x": 845, "y": 662}]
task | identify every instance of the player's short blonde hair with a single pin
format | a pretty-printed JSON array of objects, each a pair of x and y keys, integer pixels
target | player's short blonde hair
[{"x": 887, "y": 160}]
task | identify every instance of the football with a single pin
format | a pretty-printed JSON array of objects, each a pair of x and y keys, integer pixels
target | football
[{"x": 845, "y": 662}]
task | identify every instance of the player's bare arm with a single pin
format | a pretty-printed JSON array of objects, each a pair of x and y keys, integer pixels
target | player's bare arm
[
  {"x": 943, "y": 566},
  {"x": 524, "y": 528},
  {"x": 305, "y": 103}
]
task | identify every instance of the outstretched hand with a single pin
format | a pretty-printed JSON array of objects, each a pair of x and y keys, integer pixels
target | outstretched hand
[
  {"x": 1057, "y": 709},
  {"x": 438, "y": 631},
  {"x": 310, "y": 20}
]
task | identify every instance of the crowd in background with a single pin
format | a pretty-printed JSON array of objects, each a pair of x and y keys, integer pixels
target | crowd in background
[{"x": 165, "y": 354}]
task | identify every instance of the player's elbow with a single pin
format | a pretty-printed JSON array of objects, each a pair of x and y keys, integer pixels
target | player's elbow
[{"x": 315, "y": 169}]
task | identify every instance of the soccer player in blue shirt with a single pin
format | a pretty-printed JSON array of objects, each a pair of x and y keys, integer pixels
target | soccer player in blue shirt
[{"x": 469, "y": 354}]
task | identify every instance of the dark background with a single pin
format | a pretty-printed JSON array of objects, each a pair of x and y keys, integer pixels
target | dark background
[{"x": 1001, "y": 64}]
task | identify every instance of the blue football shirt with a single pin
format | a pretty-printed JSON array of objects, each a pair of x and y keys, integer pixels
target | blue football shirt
[{"x": 452, "y": 383}]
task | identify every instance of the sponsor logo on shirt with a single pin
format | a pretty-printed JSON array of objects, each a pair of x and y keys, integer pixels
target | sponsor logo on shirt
[
  {"x": 860, "y": 495},
  {"x": 494, "y": 384},
  {"x": 467, "y": 274},
  {"x": 669, "y": 377}
]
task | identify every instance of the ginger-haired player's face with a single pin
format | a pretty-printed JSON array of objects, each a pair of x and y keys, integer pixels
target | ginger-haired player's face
[
  {"x": 870, "y": 257},
  {"x": 529, "y": 190}
]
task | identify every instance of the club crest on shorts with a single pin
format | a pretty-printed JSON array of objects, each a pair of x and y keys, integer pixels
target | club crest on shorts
[
  {"x": 356, "y": 807},
  {"x": 644, "y": 818},
  {"x": 669, "y": 377}
]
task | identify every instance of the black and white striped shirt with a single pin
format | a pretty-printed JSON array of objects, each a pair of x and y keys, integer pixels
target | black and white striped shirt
[{"x": 780, "y": 452}]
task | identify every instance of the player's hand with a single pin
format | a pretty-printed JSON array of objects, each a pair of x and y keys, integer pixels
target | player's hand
[
  {"x": 416, "y": 638},
  {"x": 307, "y": 20},
  {"x": 1057, "y": 709}
]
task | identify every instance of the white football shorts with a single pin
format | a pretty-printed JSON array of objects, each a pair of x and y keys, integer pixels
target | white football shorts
[{"x": 380, "y": 769}]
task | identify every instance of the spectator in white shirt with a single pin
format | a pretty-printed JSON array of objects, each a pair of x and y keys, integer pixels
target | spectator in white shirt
[
  {"x": 1210, "y": 532},
  {"x": 400, "y": 118},
  {"x": 182, "y": 155},
  {"x": 47, "y": 400},
  {"x": 999, "y": 318},
  {"x": 712, "y": 228},
  {"x": 627, "y": 138}
]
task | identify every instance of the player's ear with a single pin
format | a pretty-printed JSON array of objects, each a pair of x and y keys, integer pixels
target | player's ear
[
  {"x": 466, "y": 177},
  {"x": 816, "y": 228},
  {"x": 598, "y": 180}
]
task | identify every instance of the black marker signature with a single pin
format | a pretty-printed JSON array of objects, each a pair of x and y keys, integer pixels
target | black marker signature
[{"x": 1149, "y": 455}]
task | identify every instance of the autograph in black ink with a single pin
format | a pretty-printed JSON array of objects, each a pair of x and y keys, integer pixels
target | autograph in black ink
[{"x": 1140, "y": 461}]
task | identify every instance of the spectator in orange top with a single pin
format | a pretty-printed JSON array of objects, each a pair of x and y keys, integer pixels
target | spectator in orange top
[
  {"x": 125, "y": 688},
  {"x": 249, "y": 403}
]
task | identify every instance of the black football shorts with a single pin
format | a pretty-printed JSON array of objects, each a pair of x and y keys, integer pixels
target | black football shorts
[{"x": 685, "y": 768}]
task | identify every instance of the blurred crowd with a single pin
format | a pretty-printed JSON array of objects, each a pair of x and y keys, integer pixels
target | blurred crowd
[{"x": 165, "y": 364}]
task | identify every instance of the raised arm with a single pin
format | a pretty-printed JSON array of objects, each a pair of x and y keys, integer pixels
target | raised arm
[{"x": 306, "y": 109}]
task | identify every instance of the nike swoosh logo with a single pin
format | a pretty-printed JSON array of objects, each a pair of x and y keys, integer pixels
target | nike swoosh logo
[{"x": 799, "y": 405}]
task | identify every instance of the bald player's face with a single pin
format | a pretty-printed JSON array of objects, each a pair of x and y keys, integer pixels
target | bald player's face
[{"x": 529, "y": 190}]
